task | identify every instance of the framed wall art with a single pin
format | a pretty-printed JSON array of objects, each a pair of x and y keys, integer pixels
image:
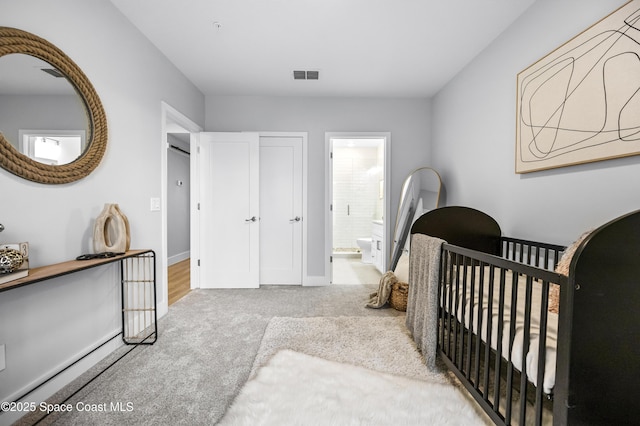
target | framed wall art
[{"x": 581, "y": 102}]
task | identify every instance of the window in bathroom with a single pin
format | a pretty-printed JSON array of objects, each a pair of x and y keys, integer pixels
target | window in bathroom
[{"x": 54, "y": 147}]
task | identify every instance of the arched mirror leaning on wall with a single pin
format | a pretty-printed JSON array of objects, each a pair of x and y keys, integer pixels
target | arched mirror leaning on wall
[
  {"x": 20, "y": 48},
  {"x": 420, "y": 193}
]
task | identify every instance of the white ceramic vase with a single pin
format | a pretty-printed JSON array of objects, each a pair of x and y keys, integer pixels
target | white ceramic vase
[{"x": 111, "y": 231}]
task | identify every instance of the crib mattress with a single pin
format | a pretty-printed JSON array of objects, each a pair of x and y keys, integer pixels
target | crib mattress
[{"x": 467, "y": 302}]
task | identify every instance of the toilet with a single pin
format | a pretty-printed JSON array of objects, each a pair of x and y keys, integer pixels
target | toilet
[{"x": 365, "y": 248}]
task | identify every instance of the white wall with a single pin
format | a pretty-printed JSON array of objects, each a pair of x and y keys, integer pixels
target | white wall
[
  {"x": 406, "y": 119},
  {"x": 474, "y": 137},
  {"x": 46, "y": 324}
]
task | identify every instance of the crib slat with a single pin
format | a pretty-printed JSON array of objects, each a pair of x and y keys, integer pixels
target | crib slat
[
  {"x": 441, "y": 294},
  {"x": 496, "y": 402},
  {"x": 476, "y": 380},
  {"x": 470, "y": 331},
  {"x": 546, "y": 259},
  {"x": 526, "y": 340},
  {"x": 456, "y": 306},
  {"x": 463, "y": 303},
  {"x": 449, "y": 303},
  {"x": 521, "y": 259},
  {"x": 487, "y": 347},
  {"x": 542, "y": 350},
  {"x": 512, "y": 334}
]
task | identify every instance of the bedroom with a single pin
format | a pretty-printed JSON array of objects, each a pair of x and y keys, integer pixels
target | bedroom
[{"x": 471, "y": 117}]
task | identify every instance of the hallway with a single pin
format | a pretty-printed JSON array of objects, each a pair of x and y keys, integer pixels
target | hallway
[{"x": 179, "y": 280}]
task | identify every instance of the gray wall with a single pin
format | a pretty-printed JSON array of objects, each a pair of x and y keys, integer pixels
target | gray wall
[
  {"x": 47, "y": 325},
  {"x": 474, "y": 137},
  {"x": 406, "y": 119}
]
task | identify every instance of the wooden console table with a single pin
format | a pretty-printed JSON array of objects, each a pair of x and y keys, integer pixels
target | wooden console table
[{"x": 138, "y": 285}]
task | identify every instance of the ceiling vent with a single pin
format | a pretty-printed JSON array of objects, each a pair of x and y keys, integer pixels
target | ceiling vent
[
  {"x": 54, "y": 72},
  {"x": 306, "y": 75}
]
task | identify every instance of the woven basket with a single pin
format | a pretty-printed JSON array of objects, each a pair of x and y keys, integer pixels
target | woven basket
[{"x": 398, "y": 297}]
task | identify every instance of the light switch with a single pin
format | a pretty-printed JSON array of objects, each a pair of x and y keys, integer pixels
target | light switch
[{"x": 155, "y": 204}]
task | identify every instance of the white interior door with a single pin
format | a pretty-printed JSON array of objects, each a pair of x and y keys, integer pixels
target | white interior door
[
  {"x": 281, "y": 210},
  {"x": 229, "y": 210}
]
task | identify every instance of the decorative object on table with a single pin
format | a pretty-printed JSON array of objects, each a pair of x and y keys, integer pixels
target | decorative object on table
[
  {"x": 578, "y": 104},
  {"x": 111, "y": 232},
  {"x": 103, "y": 255},
  {"x": 14, "y": 261}
]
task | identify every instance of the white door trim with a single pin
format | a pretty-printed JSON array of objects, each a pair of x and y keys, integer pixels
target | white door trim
[
  {"x": 169, "y": 117},
  {"x": 329, "y": 191},
  {"x": 304, "y": 136}
]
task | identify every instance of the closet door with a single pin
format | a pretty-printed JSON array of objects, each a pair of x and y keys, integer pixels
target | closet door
[
  {"x": 229, "y": 210},
  {"x": 281, "y": 210}
]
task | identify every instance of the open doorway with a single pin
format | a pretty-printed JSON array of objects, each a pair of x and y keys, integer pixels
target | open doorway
[
  {"x": 358, "y": 207},
  {"x": 177, "y": 131},
  {"x": 178, "y": 214}
]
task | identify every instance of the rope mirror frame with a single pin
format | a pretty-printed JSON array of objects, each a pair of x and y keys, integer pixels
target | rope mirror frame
[{"x": 13, "y": 40}]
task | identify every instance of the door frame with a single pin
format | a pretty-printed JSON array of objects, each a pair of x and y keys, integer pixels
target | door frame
[
  {"x": 195, "y": 191},
  {"x": 170, "y": 117},
  {"x": 328, "y": 136}
]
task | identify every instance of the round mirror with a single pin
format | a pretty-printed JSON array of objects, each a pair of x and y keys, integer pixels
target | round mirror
[
  {"x": 420, "y": 193},
  {"x": 53, "y": 127}
]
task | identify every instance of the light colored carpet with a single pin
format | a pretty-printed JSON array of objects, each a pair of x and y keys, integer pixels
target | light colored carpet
[
  {"x": 205, "y": 350},
  {"x": 298, "y": 389},
  {"x": 378, "y": 343},
  {"x": 207, "y": 346}
]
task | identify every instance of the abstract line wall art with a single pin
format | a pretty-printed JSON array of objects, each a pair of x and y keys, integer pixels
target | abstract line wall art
[{"x": 581, "y": 102}]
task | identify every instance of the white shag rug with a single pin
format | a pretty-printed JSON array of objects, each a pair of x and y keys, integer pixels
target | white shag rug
[{"x": 299, "y": 389}]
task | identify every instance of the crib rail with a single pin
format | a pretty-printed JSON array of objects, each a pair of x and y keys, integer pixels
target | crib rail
[
  {"x": 541, "y": 255},
  {"x": 486, "y": 368}
]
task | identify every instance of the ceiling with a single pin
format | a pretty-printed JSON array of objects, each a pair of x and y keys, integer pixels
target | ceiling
[
  {"x": 368, "y": 48},
  {"x": 22, "y": 75}
]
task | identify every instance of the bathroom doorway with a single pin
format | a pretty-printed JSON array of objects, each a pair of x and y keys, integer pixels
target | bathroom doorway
[{"x": 358, "y": 207}]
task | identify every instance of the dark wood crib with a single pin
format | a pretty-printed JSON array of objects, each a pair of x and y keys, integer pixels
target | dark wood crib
[{"x": 495, "y": 331}]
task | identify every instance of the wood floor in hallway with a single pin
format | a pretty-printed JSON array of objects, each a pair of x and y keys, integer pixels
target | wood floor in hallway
[{"x": 179, "y": 280}]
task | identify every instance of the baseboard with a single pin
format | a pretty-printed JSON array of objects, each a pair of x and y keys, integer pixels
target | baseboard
[
  {"x": 178, "y": 257},
  {"x": 59, "y": 377},
  {"x": 315, "y": 281}
]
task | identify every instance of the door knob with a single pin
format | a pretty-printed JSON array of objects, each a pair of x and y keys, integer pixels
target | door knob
[
  {"x": 253, "y": 219},
  {"x": 295, "y": 219}
]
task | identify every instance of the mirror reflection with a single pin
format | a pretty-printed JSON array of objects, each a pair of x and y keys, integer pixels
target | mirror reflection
[
  {"x": 420, "y": 193},
  {"x": 41, "y": 114}
]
